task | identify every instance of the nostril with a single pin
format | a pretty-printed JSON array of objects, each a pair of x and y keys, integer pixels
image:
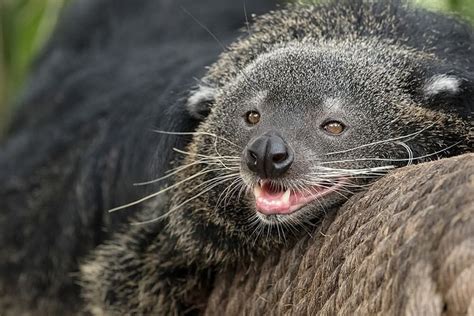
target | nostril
[
  {"x": 277, "y": 158},
  {"x": 253, "y": 158}
]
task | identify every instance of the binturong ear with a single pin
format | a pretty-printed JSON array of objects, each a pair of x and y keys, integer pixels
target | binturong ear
[
  {"x": 452, "y": 91},
  {"x": 442, "y": 84},
  {"x": 200, "y": 101}
]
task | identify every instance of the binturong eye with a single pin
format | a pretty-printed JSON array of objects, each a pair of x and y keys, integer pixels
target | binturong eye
[
  {"x": 334, "y": 127},
  {"x": 252, "y": 117}
]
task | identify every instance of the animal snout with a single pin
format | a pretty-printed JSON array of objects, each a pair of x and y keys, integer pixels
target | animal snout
[{"x": 268, "y": 155}]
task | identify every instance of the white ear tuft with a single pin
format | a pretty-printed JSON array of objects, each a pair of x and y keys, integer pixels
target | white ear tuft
[
  {"x": 200, "y": 100},
  {"x": 442, "y": 84}
]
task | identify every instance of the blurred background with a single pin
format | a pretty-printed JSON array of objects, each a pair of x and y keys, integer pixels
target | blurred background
[{"x": 25, "y": 25}]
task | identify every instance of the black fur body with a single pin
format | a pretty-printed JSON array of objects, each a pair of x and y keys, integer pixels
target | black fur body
[
  {"x": 112, "y": 72},
  {"x": 397, "y": 73}
]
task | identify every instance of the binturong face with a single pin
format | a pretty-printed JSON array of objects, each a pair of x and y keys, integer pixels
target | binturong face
[{"x": 302, "y": 128}]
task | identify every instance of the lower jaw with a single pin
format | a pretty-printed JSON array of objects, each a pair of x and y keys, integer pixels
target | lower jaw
[
  {"x": 308, "y": 213},
  {"x": 292, "y": 210},
  {"x": 279, "y": 218},
  {"x": 320, "y": 198},
  {"x": 303, "y": 213}
]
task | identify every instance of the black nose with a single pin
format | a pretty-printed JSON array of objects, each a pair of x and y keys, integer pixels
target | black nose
[{"x": 269, "y": 156}]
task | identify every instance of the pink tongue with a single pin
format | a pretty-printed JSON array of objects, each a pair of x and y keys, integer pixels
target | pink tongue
[{"x": 269, "y": 203}]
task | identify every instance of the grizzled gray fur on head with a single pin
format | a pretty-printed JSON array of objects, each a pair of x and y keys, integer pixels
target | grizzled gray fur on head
[{"x": 346, "y": 90}]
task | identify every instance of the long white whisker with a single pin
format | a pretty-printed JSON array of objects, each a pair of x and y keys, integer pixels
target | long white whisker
[
  {"x": 183, "y": 203},
  {"x": 231, "y": 158},
  {"x": 381, "y": 141},
  {"x": 196, "y": 134},
  {"x": 394, "y": 159},
  {"x": 410, "y": 152},
  {"x": 226, "y": 193},
  {"x": 148, "y": 197},
  {"x": 325, "y": 172},
  {"x": 175, "y": 171}
]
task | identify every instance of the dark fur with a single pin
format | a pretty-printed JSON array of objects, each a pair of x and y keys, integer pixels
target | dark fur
[
  {"x": 99, "y": 146},
  {"x": 113, "y": 71}
]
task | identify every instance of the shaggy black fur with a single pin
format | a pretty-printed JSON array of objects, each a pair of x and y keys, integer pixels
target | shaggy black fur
[{"x": 113, "y": 71}]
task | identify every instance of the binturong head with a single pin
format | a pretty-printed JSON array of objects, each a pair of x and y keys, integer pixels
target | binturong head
[{"x": 297, "y": 125}]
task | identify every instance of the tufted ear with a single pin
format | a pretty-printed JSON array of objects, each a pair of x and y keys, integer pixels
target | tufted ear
[
  {"x": 200, "y": 101},
  {"x": 442, "y": 84},
  {"x": 450, "y": 90}
]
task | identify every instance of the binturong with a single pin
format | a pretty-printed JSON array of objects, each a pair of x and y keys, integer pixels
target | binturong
[{"x": 308, "y": 107}]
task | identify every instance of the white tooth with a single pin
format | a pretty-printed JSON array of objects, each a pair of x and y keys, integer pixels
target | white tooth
[
  {"x": 286, "y": 197},
  {"x": 257, "y": 191}
]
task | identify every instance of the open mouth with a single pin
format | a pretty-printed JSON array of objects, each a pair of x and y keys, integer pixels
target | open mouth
[{"x": 274, "y": 200}]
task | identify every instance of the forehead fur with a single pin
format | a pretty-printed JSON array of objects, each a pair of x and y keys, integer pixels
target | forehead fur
[
  {"x": 367, "y": 55},
  {"x": 322, "y": 69},
  {"x": 312, "y": 25}
]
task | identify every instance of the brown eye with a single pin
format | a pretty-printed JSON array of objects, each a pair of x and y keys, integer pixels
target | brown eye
[
  {"x": 252, "y": 117},
  {"x": 334, "y": 127}
]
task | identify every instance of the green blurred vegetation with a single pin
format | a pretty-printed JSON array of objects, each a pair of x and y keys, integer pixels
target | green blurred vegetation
[
  {"x": 26, "y": 24},
  {"x": 24, "y": 27},
  {"x": 464, "y": 7}
]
